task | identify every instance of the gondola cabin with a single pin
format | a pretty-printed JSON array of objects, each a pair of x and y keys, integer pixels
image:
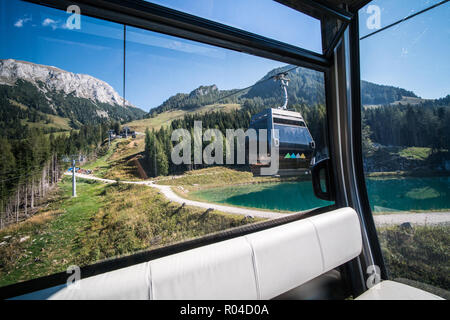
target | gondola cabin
[{"x": 287, "y": 130}]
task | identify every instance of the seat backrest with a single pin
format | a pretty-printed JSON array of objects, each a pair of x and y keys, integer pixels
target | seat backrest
[
  {"x": 261, "y": 265},
  {"x": 220, "y": 271}
]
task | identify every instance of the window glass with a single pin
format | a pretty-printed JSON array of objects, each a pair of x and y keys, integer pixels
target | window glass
[
  {"x": 293, "y": 135},
  {"x": 180, "y": 81},
  {"x": 290, "y": 122},
  {"x": 90, "y": 115},
  {"x": 406, "y": 113},
  {"x": 381, "y": 13},
  {"x": 60, "y": 84},
  {"x": 264, "y": 17}
]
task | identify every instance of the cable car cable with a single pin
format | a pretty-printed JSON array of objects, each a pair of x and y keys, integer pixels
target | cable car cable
[
  {"x": 259, "y": 82},
  {"x": 404, "y": 19}
]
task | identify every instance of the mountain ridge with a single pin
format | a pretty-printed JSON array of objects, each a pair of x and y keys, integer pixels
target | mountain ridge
[
  {"x": 200, "y": 96},
  {"x": 81, "y": 98},
  {"x": 83, "y": 85},
  {"x": 85, "y": 99},
  {"x": 305, "y": 87}
]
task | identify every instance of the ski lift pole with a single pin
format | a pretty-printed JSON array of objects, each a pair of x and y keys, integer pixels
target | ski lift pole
[
  {"x": 74, "y": 182},
  {"x": 73, "y": 159}
]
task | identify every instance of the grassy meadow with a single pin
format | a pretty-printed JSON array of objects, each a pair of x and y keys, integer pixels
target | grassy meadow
[
  {"x": 419, "y": 253},
  {"x": 103, "y": 221}
]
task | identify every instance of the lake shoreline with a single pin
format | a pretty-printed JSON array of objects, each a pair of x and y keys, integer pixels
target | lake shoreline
[
  {"x": 406, "y": 174},
  {"x": 388, "y": 195},
  {"x": 194, "y": 198}
]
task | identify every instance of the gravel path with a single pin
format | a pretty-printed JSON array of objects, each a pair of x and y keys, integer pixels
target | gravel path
[
  {"x": 429, "y": 218},
  {"x": 172, "y": 196}
]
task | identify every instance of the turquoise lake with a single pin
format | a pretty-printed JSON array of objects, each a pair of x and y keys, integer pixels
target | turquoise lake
[{"x": 399, "y": 194}]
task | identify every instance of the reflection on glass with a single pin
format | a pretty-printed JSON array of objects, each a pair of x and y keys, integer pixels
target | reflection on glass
[
  {"x": 380, "y": 13},
  {"x": 406, "y": 140},
  {"x": 62, "y": 100},
  {"x": 160, "y": 66},
  {"x": 271, "y": 19},
  {"x": 60, "y": 89},
  {"x": 40, "y": 35}
]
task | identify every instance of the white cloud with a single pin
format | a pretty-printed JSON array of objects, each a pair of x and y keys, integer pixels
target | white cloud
[
  {"x": 49, "y": 22},
  {"x": 53, "y": 24},
  {"x": 20, "y": 23}
]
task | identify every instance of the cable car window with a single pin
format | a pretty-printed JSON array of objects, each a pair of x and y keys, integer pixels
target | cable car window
[
  {"x": 60, "y": 86},
  {"x": 99, "y": 131},
  {"x": 406, "y": 138},
  {"x": 293, "y": 135},
  {"x": 271, "y": 19},
  {"x": 289, "y": 122}
]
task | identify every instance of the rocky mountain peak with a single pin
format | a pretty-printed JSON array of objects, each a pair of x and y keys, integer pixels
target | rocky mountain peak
[
  {"x": 204, "y": 90},
  {"x": 48, "y": 78}
]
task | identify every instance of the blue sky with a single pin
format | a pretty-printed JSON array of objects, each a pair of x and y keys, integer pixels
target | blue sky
[
  {"x": 414, "y": 54},
  {"x": 159, "y": 66}
]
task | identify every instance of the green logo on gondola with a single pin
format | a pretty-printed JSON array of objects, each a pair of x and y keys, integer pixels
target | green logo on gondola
[{"x": 287, "y": 156}]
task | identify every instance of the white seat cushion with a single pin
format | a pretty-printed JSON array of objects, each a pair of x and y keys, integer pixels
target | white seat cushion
[
  {"x": 285, "y": 257},
  {"x": 390, "y": 290},
  {"x": 292, "y": 254},
  {"x": 222, "y": 270},
  {"x": 128, "y": 283},
  {"x": 340, "y": 237}
]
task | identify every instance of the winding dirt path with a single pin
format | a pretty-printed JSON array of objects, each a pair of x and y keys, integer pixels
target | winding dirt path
[
  {"x": 172, "y": 196},
  {"x": 428, "y": 218}
]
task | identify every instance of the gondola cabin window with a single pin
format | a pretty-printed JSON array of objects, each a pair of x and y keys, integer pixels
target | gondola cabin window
[
  {"x": 90, "y": 117},
  {"x": 406, "y": 137}
]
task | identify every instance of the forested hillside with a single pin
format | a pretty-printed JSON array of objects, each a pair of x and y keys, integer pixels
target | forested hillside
[
  {"x": 158, "y": 146},
  {"x": 305, "y": 86},
  {"x": 372, "y": 93},
  {"x": 423, "y": 125},
  {"x": 201, "y": 96},
  {"x": 386, "y": 122},
  {"x": 80, "y": 98},
  {"x": 78, "y": 110},
  {"x": 47, "y": 114},
  {"x": 31, "y": 165}
]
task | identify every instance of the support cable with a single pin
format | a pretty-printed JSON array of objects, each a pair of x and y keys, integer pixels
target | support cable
[{"x": 404, "y": 19}]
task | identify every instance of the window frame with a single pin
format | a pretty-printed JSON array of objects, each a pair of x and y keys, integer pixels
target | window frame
[
  {"x": 156, "y": 18},
  {"x": 145, "y": 15}
]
